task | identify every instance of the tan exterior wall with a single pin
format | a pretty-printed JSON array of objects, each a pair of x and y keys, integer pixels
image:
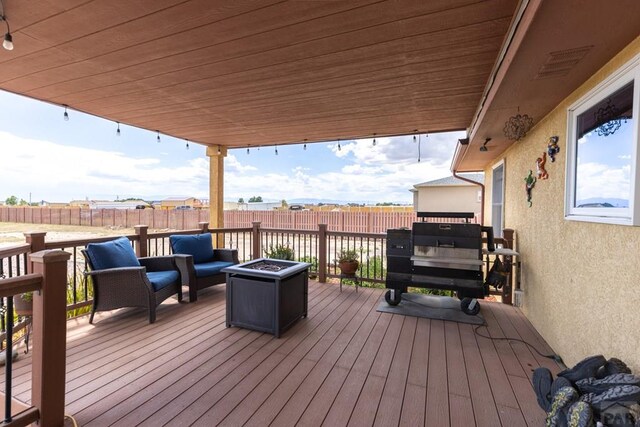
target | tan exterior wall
[
  {"x": 447, "y": 198},
  {"x": 581, "y": 280}
]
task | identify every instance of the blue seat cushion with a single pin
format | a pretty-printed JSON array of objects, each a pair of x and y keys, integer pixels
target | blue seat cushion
[
  {"x": 112, "y": 254},
  {"x": 162, "y": 279},
  {"x": 210, "y": 268},
  {"x": 197, "y": 245}
]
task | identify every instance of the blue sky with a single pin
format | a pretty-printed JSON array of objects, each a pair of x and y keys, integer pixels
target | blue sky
[{"x": 57, "y": 160}]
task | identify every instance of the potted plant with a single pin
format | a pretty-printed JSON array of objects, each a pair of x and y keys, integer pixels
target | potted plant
[
  {"x": 348, "y": 261},
  {"x": 279, "y": 252},
  {"x": 23, "y": 304}
]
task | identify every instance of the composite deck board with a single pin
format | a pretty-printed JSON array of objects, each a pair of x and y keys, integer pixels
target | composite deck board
[{"x": 346, "y": 364}]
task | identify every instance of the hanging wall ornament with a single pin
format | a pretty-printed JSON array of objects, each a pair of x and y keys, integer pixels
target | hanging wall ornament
[
  {"x": 608, "y": 116},
  {"x": 553, "y": 148},
  {"x": 541, "y": 171},
  {"x": 530, "y": 182},
  {"x": 517, "y": 126}
]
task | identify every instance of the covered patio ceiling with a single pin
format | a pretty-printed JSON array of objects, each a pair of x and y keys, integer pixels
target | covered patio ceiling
[{"x": 245, "y": 73}]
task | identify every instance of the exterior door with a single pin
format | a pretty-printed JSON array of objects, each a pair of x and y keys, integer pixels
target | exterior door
[{"x": 497, "y": 200}]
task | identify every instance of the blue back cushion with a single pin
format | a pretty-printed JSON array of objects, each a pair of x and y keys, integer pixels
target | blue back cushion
[
  {"x": 197, "y": 245},
  {"x": 113, "y": 254}
]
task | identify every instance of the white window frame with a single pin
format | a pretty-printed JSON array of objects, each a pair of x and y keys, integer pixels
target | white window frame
[
  {"x": 623, "y": 216},
  {"x": 504, "y": 187}
]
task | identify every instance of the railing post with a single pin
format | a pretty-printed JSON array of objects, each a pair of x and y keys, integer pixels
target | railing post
[
  {"x": 257, "y": 244},
  {"x": 49, "y": 336},
  {"x": 36, "y": 240},
  {"x": 322, "y": 253},
  {"x": 507, "y": 291},
  {"x": 142, "y": 244}
]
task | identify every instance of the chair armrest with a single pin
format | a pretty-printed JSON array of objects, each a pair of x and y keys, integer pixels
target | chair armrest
[
  {"x": 159, "y": 263},
  {"x": 120, "y": 278},
  {"x": 228, "y": 255},
  {"x": 184, "y": 263}
]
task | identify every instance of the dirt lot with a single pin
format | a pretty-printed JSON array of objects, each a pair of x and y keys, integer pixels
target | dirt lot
[{"x": 13, "y": 233}]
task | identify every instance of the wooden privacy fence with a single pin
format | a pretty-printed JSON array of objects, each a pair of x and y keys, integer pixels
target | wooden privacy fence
[{"x": 352, "y": 222}]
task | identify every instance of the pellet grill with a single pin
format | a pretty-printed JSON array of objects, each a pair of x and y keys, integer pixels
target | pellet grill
[{"x": 438, "y": 255}]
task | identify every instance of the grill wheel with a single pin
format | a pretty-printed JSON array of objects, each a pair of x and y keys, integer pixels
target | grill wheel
[{"x": 388, "y": 297}]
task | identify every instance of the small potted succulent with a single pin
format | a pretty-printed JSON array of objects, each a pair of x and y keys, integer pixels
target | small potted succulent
[
  {"x": 348, "y": 261},
  {"x": 23, "y": 304}
]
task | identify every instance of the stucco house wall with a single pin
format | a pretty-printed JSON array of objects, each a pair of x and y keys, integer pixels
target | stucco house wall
[{"x": 581, "y": 280}]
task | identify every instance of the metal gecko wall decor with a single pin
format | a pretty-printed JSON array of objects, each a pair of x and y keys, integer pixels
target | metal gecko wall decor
[
  {"x": 553, "y": 148},
  {"x": 530, "y": 182}
]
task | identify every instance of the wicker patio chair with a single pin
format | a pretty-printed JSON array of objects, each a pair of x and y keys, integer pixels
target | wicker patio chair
[
  {"x": 122, "y": 280},
  {"x": 199, "y": 263}
]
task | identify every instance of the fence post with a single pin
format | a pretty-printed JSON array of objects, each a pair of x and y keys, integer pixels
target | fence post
[
  {"x": 49, "y": 336},
  {"x": 322, "y": 253},
  {"x": 142, "y": 244},
  {"x": 257, "y": 244},
  {"x": 36, "y": 240}
]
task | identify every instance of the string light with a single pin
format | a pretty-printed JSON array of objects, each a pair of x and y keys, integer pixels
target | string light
[
  {"x": 419, "y": 141},
  {"x": 118, "y": 129},
  {"x": 187, "y": 143},
  {"x": 158, "y": 137},
  {"x": 304, "y": 147},
  {"x": 339, "y": 147},
  {"x": 247, "y": 150},
  {"x": 219, "y": 150},
  {"x": 374, "y": 139},
  {"x": 276, "y": 150},
  {"x": 66, "y": 115},
  {"x": 7, "y": 43}
]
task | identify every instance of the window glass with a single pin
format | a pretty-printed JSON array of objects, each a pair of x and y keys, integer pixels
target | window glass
[{"x": 603, "y": 152}]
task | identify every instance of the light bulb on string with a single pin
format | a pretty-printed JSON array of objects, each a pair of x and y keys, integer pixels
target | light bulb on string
[
  {"x": 158, "y": 137},
  {"x": 339, "y": 147},
  {"x": 247, "y": 150},
  {"x": 66, "y": 115},
  {"x": 276, "y": 150},
  {"x": 219, "y": 150},
  {"x": 187, "y": 144},
  {"x": 374, "y": 139},
  {"x": 118, "y": 129},
  {"x": 304, "y": 147}
]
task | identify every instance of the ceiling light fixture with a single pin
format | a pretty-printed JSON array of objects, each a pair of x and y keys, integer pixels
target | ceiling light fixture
[
  {"x": 484, "y": 146},
  {"x": 65, "y": 115},
  {"x": 7, "y": 43}
]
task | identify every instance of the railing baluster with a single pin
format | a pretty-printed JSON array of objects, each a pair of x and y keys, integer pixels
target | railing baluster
[{"x": 8, "y": 361}]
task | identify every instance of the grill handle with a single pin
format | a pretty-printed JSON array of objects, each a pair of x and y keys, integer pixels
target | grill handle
[
  {"x": 445, "y": 245},
  {"x": 490, "y": 243}
]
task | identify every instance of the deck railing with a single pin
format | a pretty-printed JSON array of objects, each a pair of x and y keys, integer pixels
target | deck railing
[{"x": 46, "y": 280}]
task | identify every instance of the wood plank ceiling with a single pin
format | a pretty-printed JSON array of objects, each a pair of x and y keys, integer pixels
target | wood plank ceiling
[{"x": 244, "y": 73}]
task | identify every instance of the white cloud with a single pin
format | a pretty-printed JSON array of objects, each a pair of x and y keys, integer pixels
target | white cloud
[
  {"x": 384, "y": 172},
  {"x": 602, "y": 181},
  {"x": 57, "y": 172}
]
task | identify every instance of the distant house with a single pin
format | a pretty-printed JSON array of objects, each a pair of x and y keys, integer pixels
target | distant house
[
  {"x": 448, "y": 194},
  {"x": 129, "y": 204},
  {"x": 259, "y": 206},
  {"x": 174, "y": 202},
  {"x": 79, "y": 203},
  {"x": 53, "y": 204}
]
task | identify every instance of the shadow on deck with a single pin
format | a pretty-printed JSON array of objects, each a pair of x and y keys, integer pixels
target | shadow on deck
[{"x": 345, "y": 364}]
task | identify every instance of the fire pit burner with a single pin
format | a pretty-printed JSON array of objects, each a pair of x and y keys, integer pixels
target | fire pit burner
[{"x": 267, "y": 266}]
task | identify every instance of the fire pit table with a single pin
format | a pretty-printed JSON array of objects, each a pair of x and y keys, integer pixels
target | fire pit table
[{"x": 267, "y": 295}]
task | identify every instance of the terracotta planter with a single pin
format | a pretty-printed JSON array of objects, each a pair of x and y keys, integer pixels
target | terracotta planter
[
  {"x": 349, "y": 267},
  {"x": 22, "y": 307}
]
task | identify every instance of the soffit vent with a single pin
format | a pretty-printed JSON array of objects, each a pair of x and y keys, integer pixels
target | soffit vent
[{"x": 559, "y": 63}]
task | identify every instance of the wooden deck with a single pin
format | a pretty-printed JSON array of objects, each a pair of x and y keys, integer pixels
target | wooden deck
[{"x": 346, "y": 364}]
